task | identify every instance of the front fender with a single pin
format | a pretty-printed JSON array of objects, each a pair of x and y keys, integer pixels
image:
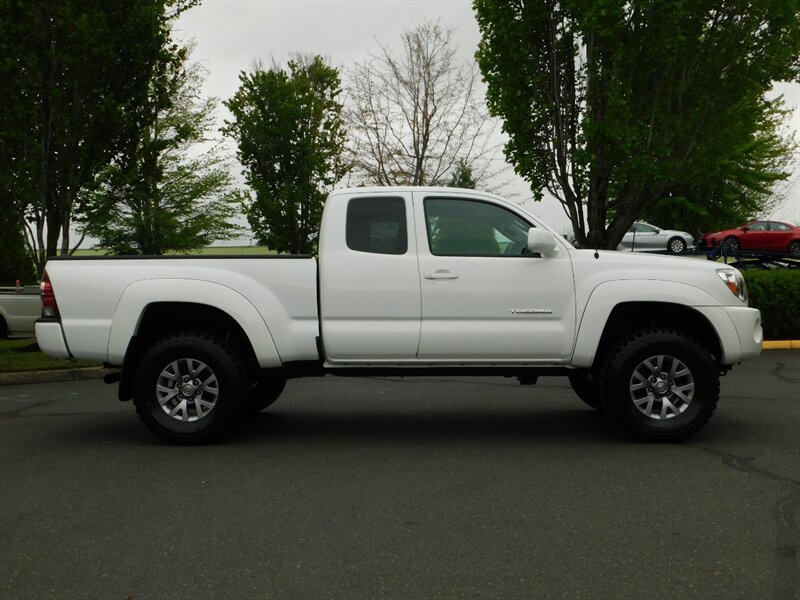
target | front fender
[
  {"x": 608, "y": 295},
  {"x": 138, "y": 295}
]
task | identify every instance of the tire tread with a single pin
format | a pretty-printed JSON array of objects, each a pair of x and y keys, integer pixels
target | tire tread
[{"x": 629, "y": 345}]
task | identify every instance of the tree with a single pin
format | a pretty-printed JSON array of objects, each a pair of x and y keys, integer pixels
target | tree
[
  {"x": 739, "y": 188},
  {"x": 288, "y": 126},
  {"x": 615, "y": 105},
  {"x": 15, "y": 261},
  {"x": 413, "y": 119},
  {"x": 80, "y": 71},
  {"x": 158, "y": 199},
  {"x": 462, "y": 176}
]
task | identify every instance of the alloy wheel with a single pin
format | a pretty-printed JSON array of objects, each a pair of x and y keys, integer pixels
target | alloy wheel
[{"x": 661, "y": 387}]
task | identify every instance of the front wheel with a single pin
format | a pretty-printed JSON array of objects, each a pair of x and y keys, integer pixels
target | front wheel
[
  {"x": 190, "y": 388},
  {"x": 794, "y": 248},
  {"x": 661, "y": 385},
  {"x": 676, "y": 246}
]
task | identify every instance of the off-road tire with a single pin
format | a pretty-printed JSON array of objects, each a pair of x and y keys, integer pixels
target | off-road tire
[
  {"x": 221, "y": 381},
  {"x": 676, "y": 419},
  {"x": 587, "y": 388}
]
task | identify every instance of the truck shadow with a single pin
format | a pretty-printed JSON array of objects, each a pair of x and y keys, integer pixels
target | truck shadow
[{"x": 559, "y": 426}]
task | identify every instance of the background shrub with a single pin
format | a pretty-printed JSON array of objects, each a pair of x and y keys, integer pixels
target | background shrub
[{"x": 776, "y": 294}]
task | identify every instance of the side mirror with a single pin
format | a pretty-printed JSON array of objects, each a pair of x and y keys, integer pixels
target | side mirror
[
  {"x": 745, "y": 229},
  {"x": 541, "y": 242}
]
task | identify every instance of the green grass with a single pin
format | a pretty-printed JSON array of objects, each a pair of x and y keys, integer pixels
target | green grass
[{"x": 24, "y": 355}]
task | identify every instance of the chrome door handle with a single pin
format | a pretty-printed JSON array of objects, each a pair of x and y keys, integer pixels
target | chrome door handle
[{"x": 441, "y": 274}]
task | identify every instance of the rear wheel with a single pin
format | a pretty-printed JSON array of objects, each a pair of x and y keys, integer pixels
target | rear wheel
[
  {"x": 587, "y": 388},
  {"x": 794, "y": 248},
  {"x": 661, "y": 385},
  {"x": 190, "y": 388},
  {"x": 676, "y": 246}
]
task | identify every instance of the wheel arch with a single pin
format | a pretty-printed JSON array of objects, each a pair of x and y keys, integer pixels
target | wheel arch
[
  {"x": 152, "y": 308},
  {"x": 160, "y": 319},
  {"x": 628, "y": 317},
  {"x": 604, "y": 322}
]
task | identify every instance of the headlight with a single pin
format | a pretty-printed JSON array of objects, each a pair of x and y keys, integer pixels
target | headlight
[{"x": 735, "y": 282}]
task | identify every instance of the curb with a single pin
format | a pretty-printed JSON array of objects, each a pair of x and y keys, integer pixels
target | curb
[
  {"x": 781, "y": 345},
  {"x": 54, "y": 376}
]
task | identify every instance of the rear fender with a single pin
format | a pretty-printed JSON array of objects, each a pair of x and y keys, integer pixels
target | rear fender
[{"x": 140, "y": 294}]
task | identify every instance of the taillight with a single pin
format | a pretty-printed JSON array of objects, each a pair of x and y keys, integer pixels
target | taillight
[{"x": 49, "y": 304}]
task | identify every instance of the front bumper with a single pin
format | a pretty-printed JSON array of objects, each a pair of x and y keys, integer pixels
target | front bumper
[{"x": 747, "y": 322}]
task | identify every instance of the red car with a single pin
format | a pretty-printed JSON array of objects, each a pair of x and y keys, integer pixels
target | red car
[{"x": 758, "y": 235}]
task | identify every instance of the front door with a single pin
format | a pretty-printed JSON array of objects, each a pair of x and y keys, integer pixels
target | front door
[{"x": 484, "y": 299}]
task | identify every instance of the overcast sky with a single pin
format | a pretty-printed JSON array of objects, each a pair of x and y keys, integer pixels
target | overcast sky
[{"x": 231, "y": 34}]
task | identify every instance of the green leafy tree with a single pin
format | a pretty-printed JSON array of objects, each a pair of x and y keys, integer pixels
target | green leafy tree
[
  {"x": 462, "y": 176},
  {"x": 15, "y": 261},
  {"x": 79, "y": 71},
  {"x": 288, "y": 125},
  {"x": 615, "y": 105},
  {"x": 739, "y": 188},
  {"x": 158, "y": 199}
]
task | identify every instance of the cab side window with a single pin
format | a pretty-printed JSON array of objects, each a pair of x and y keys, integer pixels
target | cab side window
[
  {"x": 459, "y": 227},
  {"x": 377, "y": 225}
]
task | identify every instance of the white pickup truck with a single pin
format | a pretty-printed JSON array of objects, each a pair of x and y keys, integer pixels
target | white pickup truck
[
  {"x": 20, "y": 306},
  {"x": 409, "y": 281}
]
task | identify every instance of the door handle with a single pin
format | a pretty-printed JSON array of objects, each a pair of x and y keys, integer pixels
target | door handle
[{"x": 441, "y": 274}]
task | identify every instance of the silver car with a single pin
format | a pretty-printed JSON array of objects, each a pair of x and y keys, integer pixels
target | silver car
[{"x": 644, "y": 237}]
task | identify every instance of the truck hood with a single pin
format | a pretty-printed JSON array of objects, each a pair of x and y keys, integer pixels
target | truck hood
[{"x": 633, "y": 266}]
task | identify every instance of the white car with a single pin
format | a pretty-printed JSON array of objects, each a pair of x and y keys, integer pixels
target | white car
[{"x": 644, "y": 237}]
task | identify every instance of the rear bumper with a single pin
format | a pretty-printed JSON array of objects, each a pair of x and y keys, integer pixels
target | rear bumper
[{"x": 50, "y": 338}]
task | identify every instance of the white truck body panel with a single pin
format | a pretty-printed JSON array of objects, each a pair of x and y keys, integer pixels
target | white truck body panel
[
  {"x": 371, "y": 306},
  {"x": 98, "y": 324},
  {"x": 497, "y": 294}
]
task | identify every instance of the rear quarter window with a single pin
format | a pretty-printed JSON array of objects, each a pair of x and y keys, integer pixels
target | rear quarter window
[{"x": 377, "y": 225}]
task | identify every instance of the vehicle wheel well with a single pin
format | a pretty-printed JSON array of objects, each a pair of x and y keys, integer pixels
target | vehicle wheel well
[
  {"x": 628, "y": 317},
  {"x": 164, "y": 318},
  {"x": 3, "y": 328}
]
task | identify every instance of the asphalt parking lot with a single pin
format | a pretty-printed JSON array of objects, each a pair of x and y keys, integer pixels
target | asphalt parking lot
[{"x": 403, "y": 488}]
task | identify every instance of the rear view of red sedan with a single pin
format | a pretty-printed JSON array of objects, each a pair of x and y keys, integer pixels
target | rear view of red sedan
[{"x": 759, "y": 235}]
